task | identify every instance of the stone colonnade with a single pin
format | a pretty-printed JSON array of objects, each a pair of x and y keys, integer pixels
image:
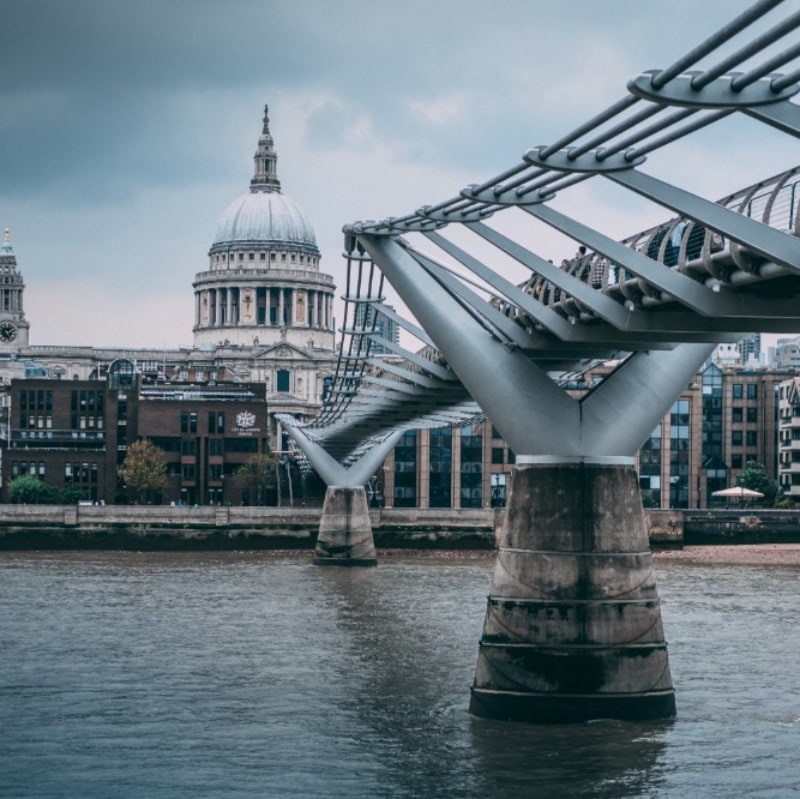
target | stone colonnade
[{"x": 272, "y": 306}]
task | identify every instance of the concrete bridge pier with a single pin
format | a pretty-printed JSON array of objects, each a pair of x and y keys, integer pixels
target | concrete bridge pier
[
  {"x": 345, "y": 531},
  {"x": 573, "y": 624}
]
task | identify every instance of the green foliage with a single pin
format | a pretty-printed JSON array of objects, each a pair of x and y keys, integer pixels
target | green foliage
[
  {"x": 144, "y": 468},
  {"x": 259, "y": 470},
  {"x": 783, "y": 501},
  {"x": 72, "y": 494},
  {"x": 754, "y": 477},
  {"x": 30, "y": 490},
  {"x": 648, "y": 498}
]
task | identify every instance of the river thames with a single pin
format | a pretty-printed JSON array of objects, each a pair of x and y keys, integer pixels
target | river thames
[{"x": 261, "y": 675}]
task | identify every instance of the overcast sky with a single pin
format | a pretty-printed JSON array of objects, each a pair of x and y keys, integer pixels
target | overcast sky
[{"x": 127, "y": 128}]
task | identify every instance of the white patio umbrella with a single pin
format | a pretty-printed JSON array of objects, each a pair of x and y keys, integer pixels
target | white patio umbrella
[{"x": 738, "y": 492}]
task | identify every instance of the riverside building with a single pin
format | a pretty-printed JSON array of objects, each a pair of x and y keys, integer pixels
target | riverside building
[{"x": 75, "y": 434}]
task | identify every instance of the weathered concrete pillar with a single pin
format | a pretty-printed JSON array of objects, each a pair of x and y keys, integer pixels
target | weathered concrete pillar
[
  {"x": 345, "y": 531},
  {"x": 573, "y": 624}
]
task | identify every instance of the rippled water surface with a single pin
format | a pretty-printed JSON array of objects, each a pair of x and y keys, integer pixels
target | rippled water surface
[{"x": 255, "y": 675}]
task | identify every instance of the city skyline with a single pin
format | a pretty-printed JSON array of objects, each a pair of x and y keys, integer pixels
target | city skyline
[{"x": 127, "y": 131}]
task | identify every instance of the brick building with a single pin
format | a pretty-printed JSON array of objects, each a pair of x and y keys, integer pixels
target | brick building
[{"x": 75, "y": 434}]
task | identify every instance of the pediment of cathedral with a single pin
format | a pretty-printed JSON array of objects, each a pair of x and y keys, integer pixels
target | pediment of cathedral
[{"x": 283, "y": 350}]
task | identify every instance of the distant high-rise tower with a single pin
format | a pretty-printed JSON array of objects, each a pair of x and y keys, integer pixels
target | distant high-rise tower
[
  {"x": 750, "y": 348},
  {"x": 382, "y": 326}
]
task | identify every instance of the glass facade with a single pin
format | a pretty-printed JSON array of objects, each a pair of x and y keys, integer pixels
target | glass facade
[
  {"x": 679, "y": 454},
  {"x": 471, "y": 466},
  {"x": 650, "y": 469},
  {"x": 713, "y": 460},
  {"x": 441, "y": 467},
  {"x": 405, "y": 471}
]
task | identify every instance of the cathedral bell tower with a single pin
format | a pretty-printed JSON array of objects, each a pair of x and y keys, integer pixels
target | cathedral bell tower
[{"x": 13, "y": 325}]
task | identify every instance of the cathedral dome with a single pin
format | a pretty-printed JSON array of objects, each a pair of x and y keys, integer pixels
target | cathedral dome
[{"x": 264, "y": 217}]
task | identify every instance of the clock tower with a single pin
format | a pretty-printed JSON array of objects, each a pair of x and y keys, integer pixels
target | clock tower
[{"x": 13, "y": 325}]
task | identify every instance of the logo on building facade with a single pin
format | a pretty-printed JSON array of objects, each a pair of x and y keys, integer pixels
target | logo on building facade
[
  {"x": 245, "y": 419},
  {"x": 245, "y": 424}
]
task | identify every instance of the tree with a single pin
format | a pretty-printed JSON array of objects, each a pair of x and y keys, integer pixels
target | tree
[
  {"x": 259, "y": 469},
  {"x": 144, "y": 468},
  {"x": 754, "y": 477},
  {"x": 72, "y": 494},
  {"x": 31, "y": 490}
]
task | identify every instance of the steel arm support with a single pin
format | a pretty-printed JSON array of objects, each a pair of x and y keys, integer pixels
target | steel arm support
[
  {"x": 531, "y": 412},
  {"x": 783, "y": 116},
  {"x": 329, "y": 469},
  {"x": 622, "y": 411}
]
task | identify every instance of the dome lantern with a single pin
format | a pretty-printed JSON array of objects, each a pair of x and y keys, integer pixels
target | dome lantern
[{"x": 265, "y": 177}]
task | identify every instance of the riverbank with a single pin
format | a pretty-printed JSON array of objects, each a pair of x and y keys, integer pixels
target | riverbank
[
  {"x": 164, "y": 528},
  {"x": 734, "y": 554}
]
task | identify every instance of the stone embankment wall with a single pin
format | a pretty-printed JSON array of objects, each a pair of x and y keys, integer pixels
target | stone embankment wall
[
  {"x": 154, "y": 527},
  {"x": 742, "y": 526},
  {"x": 169, "y": 527}
]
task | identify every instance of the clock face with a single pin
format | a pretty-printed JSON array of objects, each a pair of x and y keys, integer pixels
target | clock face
[{"x": 8, "y": 332}]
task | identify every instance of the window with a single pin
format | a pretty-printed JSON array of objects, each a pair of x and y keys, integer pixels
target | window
[
  {"x": 737, "y": 391},
  {"x": 751, "y": 438},
  {"x": 752, "y": 414},
  {"x": 282, "y": 380},
  {"x": 736, "y": 415},
  {"x": 187, "y": 472},
  {"x": 736, "y": 438},
  {"x": 471, "y": 466},
  {"x": 188, "y": 446},
  {"x": 441, "y": 466},
  {"x": 216, "y": 422},
  {"x": 188, "y": 422},
  {"x": 498, "y": 488},
  {"x": 405, "y": 470},
  {"x": 752, "y": 391},
  {"x": 736, "y": 461},
  {"x": 251, "y": 256},
  {"x": 497, "y": 454},
  {"x": 241, "y": 445}
]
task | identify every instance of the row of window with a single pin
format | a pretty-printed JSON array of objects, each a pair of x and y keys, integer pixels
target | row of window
[
  {"x": 81, "y": 472},
  {"x": 214, "y": 446},
  {"x": 216, "y": 422},
  {"x": 262, "y": 256},
  {"x": 188, "y": 471},
  {"x": 738, "y": 390},
  {"x": 87, "y": 401},
  {"x": 19, "y": 468}
]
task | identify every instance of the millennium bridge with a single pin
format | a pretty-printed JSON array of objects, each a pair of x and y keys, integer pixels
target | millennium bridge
[{"x": 573, "y": 625}]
